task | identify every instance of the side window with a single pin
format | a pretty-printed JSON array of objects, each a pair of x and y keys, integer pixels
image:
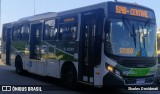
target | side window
[
  {"x": 4, "y": 34},
  {"x": 50, "y": 32},
  {"x": 20, "y": 33},
  {"x": 25, "y": 32},
  {"x": 74, "y": 32},
  {"x": 68, "y": 32},
  {"x": 16, "y": 35},
  {"x": 36, "y": 30}
]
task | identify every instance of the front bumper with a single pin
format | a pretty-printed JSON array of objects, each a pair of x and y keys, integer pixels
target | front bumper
[
  {"x": 139, "y": 80},
  {"x": 111, "y": 79}
]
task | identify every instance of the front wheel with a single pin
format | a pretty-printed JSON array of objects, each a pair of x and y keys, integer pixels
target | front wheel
[{"x": 69, "y": 78}]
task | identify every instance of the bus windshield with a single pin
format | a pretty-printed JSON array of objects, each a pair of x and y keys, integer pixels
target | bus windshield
[{"x": 131, "y": 38}]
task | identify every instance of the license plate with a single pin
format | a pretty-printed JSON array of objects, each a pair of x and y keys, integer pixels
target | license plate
[{"x": 140, "y": 81}]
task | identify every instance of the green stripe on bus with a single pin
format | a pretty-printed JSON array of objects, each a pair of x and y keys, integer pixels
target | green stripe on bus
[
  {"x": 136, "y": 72},
  {"x": 139, "y": 71}
]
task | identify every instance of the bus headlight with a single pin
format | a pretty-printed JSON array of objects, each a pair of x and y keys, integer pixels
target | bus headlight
[
  {"x": 110, "y": 68},
  {"x": 113, "y": 70}
]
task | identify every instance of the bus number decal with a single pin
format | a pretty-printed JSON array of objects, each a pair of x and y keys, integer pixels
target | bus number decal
[{"x": 126, "y": 50}]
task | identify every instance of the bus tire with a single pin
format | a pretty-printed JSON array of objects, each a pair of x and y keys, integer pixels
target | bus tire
[
  {"x": 69, "y": 77},
  {"x": 19, "y": 66}
]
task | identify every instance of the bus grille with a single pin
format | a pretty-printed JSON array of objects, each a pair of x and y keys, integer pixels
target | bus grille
[{"x": 138, "y": 64}]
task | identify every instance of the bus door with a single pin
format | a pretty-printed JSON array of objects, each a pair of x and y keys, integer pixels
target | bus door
[
  {"x": 90, "y": 44},
  {"x": 8, "y": 44},
  {"x": 87, "y": 47},
  {"x": 35, "y": 41}
]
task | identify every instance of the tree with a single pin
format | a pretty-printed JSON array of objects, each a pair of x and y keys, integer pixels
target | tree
[{"x": 158, "y": 41}]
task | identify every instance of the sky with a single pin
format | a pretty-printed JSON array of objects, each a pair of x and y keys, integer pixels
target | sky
[{"x": 12, "y": 10}]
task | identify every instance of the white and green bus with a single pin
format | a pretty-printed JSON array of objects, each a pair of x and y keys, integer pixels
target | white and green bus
[{"x": 110, "y": 43}]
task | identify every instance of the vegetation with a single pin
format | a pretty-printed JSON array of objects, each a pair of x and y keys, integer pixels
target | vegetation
[{"x": 158, "y": 44}]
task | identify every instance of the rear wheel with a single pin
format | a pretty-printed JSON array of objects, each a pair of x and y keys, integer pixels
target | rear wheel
[{"x": 19, "y": 66}]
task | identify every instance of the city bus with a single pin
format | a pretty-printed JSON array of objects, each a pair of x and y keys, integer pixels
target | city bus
[{"x": 109, "y": 43}]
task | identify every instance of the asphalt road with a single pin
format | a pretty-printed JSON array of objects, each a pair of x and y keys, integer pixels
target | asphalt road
[{"x": 8, "y": 76}]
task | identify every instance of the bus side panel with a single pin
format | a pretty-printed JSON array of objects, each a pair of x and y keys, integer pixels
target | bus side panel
[
  {"x": 41, "y": 68},
  {"x": 3, "y": 55},
  {"x": 37, "y": 67},
  {"x": 49, "y": 57},
  {"x": 32, "y": 66},
  {"x": 13, "y": 56},
  {"x": 25, "y": 62},
  {"x": 56, "y": 53},
  {"x": 3, "y": 45},
  {"x": 53, "y": 68}
]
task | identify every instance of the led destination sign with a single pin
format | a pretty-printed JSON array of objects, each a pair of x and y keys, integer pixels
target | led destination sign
[
  {"x": 69, "y": 19},
  {"x": 130, "y": 10}
]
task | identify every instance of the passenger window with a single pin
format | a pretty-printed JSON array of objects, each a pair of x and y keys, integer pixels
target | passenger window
[
  {"x": 16, "y": 36},
  {"x": 74, "y": 32},
  {"x": 20, "y": 33},
  {"x": 25, "y": 33},
  {"x": 4, "y": 33},
  {"x": 50, "y": 32},
  {"x": 68, "y": 33}
]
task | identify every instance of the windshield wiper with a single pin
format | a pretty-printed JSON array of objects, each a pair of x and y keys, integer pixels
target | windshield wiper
[
  {"x": 143, "y": 37},
  {"x": 130, "y": 27},
  {"x": 147, "y": 23},
  {"x": 134, "y": 35}
]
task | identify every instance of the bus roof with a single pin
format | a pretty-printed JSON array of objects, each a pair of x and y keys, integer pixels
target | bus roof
[
  {"x": 86, "y": 8},
  {"x": 39, "y": 16},
  {"x": 9, "y": 24},
  {"x": 96, "y": 6}
]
